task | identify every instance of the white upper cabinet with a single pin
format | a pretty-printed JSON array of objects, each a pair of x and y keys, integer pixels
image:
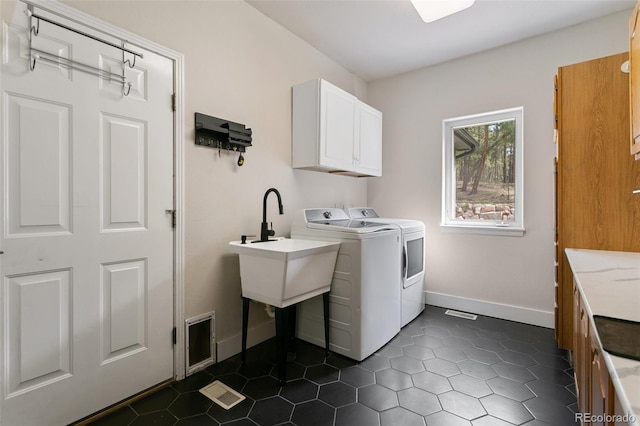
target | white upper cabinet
[
  {"x": 335, "y": 132},
  {"x": 368, "y": 149},
  {"x": 337, "y": 127}
]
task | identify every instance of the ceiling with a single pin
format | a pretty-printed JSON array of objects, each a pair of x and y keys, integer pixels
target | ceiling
[{"x": 379, "y": 38}]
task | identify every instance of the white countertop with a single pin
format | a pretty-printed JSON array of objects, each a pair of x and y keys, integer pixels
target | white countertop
[{"x": 610, "y": 283}]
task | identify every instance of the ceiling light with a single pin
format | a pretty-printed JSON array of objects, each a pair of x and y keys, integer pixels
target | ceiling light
[{"x": 432, "y": 10}]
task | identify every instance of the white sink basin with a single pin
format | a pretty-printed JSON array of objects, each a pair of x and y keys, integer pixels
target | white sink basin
[{"x": 285, "y": 271}]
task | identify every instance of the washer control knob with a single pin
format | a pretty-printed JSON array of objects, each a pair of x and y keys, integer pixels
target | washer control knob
[
  {"x": 365, "y": 213},
  {"x": 327, "y": 215}
]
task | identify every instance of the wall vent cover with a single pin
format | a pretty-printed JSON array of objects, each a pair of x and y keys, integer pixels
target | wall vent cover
[
  {"x": 222, "y": 394},
  {"x": 461, "y": 314},
  {"x": 201, "y": 339}
]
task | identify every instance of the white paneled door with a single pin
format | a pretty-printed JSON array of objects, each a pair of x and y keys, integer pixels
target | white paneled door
[{"x": 87, "y": 268}]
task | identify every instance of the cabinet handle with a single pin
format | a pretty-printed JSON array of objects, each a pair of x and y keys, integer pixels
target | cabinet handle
[{"x": 596, "y": 361}]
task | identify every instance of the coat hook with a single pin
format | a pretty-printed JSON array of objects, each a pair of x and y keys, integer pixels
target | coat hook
[
  {"x": 129, "y": 63},
  {"x": 33, "y": 29}
]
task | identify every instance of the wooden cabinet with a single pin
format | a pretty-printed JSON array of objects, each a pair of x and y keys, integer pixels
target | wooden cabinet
[
  {"x": 601, "y": 401},
  {"x": 335, "y": 132},
  {"x": 581, "y": 361},
  {"x": 606, "y": 385},
  {"x": 634, "y": 80},
  {"x": 595, "y": 176},
  {"x": 596, "y": 395}
]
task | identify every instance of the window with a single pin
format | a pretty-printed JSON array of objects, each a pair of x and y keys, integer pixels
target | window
[{"x": 482, "y": 183}]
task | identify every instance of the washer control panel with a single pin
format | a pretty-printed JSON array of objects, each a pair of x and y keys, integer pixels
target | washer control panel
[
  {"x": 322, "y": 215},
  {"x": 362, "y": 212}
]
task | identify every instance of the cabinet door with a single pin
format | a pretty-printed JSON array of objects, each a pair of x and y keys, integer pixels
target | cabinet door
[
  {"x": 577, "y": 356},
  {"x": 368, "y": 149},
  {"x": 337, "y": 127},
  {"x": 581, "y": 350},
  {"x": 600, "y": 382},
  {"x": 634, "y": 81}
]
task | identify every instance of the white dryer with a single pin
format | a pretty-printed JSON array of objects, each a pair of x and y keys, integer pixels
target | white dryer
[
  {"x": 364, "y": 301},
  {"x": 412, "y": 256}
]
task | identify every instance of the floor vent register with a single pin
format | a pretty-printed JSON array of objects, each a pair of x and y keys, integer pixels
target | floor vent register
[
  {"x": 222, "y": 394},
  {"x": 461, "y": 315}
]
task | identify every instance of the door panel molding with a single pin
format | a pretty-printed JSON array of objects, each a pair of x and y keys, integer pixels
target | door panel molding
[
  {"x": 124, "y": 302},
  {"x": 52, "y": 162},
  {"x": 37, "y": 323},
  {"x": 123, "y": 188}
]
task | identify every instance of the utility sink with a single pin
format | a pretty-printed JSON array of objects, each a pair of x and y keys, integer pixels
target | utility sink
[{"x": 285, "y": 271}]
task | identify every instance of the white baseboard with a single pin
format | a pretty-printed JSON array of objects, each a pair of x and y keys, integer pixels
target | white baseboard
[
  {"x": 266, "y": 330},
  {"x": 255, "y": 335},
  {"x": 491, "y": 309}
]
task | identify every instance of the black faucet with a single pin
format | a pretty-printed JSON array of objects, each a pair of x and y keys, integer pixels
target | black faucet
[{"x": 265, "y": 232}]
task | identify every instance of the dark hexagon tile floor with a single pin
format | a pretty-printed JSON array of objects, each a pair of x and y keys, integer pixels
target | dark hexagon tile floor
[{"x": 438, "y": 371}]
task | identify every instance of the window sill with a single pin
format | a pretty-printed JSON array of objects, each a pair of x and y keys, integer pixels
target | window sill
[{"x": 505, "y": 231}]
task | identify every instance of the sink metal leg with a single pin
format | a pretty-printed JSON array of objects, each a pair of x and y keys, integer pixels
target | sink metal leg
[
  {"x": 293, "y": 316},
  {"x": 285, "y": 333},
  {"x": 325, "y": 305},
  {"x": 245, "y": 323},
  {"x": 282, "y": 339}
]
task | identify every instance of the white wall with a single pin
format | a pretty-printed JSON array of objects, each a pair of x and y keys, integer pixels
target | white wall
[
  {"x": 513, "y": 275},
  {"x": 240, "y": 66}
]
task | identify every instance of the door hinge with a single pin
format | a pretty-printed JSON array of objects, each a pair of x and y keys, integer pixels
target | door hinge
[
  {"x": 173, "y": 217},
  {"x": 174, "y": 335},
  {"x": 173, "y": 102}
]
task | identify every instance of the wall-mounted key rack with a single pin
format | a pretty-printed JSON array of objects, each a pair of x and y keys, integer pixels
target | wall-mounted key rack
[{"x": 221, "y": 134}]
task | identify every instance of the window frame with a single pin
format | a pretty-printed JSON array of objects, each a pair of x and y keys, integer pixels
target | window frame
[{"x": 449, "y": 183}]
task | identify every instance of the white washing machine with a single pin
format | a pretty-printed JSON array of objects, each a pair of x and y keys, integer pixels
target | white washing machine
[
  {"x": 411, "y": 279},
  {"x": 364, "y": 301}
]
